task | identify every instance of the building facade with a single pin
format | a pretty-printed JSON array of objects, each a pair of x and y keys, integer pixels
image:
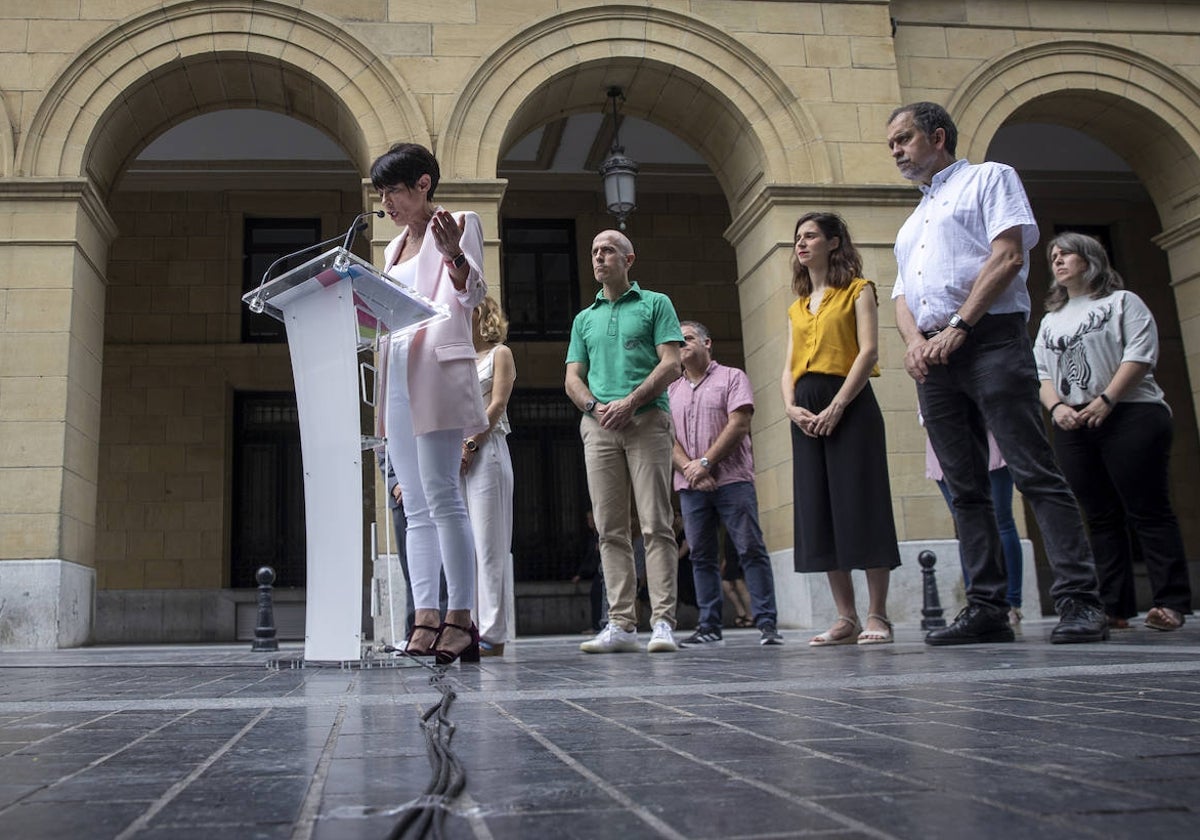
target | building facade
[{"x": 145, "y": 429}]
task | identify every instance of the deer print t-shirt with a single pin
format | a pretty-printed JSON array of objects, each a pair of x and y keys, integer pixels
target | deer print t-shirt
[{"x": 1079, "y": 347}]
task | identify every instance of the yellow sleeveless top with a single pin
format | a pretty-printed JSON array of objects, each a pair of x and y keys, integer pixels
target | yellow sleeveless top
[{"x": 827, "y": 342}]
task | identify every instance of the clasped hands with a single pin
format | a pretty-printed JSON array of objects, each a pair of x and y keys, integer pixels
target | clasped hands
[
  {"x": 615, "y": 415},
  {"x": 698, "y": 477},
  {"x": 924, "y": 352},
  {"x": 1089, "y": 417},
  {"x": 817, "y": 425}
]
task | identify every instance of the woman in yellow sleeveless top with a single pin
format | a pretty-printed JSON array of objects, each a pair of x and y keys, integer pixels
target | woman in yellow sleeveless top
[{"x": 842, "y": 499}]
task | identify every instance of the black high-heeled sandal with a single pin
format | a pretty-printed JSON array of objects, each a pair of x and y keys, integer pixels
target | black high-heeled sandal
[
  {"x": 470, "y": 653},
  {"x": 429, "y": 651}
]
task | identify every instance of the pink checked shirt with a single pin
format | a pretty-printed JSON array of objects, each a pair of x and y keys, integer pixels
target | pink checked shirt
[{"x": 700, "y": 412}]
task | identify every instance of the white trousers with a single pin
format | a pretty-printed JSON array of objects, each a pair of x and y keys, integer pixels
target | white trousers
[
  {"x": 427, "y": 467},
  {"x": 488, "y": 488}
]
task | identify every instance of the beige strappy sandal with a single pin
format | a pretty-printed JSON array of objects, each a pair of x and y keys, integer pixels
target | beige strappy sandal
[
  {"x": 877, "y": 637},
  {"x": 827, "y": 638}
]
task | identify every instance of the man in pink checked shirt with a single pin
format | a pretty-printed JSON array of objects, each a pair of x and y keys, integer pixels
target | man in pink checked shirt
[{"x": 711, "y": 406}]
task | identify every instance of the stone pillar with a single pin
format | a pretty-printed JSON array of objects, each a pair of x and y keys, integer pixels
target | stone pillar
[
  {"x": 762, "y": 236},
  {"x": 54, "y": 239},
  {"x": 1182, "y": 244}
]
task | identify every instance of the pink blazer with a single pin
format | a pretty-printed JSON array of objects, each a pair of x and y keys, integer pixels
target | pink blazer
[{"x": 442, "y": 382}]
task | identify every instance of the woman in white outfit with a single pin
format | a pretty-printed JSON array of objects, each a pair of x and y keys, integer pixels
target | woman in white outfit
[
  {"x": 433, "y": 400},
  {"x": 488, "y": 479}
]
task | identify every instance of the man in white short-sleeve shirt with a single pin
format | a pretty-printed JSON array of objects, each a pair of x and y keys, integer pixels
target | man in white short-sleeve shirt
[{"x": 961, "y": 306}]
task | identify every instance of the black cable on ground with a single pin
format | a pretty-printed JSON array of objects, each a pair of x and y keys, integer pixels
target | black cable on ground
[{"x": 426, "y": 817}]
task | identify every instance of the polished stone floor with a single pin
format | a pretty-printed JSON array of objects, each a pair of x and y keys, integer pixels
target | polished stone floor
[{"x": 1025, "y": 740}]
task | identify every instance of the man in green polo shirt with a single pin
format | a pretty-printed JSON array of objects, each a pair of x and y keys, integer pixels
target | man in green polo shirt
[{"x": 623, "y": 354}]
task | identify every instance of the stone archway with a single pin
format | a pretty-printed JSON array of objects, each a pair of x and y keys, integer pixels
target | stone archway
[
  {"x": 149, "y": 73},
  {"x": 139, "y": 78},
  {"x": 1145, "y": 111},
  {"x": 716, "y": 95},
  {"x": 1142, "y": 109}
]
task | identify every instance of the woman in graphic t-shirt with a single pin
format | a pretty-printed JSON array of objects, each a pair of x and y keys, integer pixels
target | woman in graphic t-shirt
[{"x": 1096, "y": 349}]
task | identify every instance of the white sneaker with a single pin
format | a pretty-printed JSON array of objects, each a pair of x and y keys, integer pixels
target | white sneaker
[
  {"x": 612, "y": 639},
  {"x": 662, "y": 640}
]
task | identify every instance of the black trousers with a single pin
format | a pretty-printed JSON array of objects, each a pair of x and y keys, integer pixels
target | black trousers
[
  {"x": 1118, "y": 471},
  {"x": 841, "y": 494},
  {"x": 991, "y": 384}
]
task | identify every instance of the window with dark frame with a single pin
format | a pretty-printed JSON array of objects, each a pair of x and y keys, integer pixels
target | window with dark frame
[
  {"x": 264, "y": 241},
  {"x": 540, "y": 278}
]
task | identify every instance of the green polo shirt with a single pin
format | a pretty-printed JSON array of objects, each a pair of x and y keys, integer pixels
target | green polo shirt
[{"x": 618, "y": 341}]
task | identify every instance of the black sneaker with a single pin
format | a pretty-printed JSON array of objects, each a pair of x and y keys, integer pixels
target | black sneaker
[
  {"x": 974, "y": 625},
  {"x": 1079, "y": 622},
  {"x": 770, "y": 636},
  {"x": 704, "y": 637}
]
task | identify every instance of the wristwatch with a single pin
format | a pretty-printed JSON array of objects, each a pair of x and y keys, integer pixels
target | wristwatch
[
  {"x": 470, "y": 445},
  {"x": 958, "y": 323},
  {"x": 704, "y": 463},
  {"x": 457, "y": 262},
  {"x": 588, "y": 406}
]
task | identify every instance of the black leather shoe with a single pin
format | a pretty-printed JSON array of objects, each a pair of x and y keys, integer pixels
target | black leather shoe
[
  {"x": 1079, "y": 622},
  {"x": 974, "y": 625}
]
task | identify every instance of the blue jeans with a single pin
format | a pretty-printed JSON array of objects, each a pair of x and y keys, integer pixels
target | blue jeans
[
  {"x": 737, "y": 506},
  {"x": 991, "y": 383},
  {"x": 1010, "y": 540}
]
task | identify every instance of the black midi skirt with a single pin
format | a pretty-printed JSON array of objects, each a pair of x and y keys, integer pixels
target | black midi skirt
[{"x": 841, "y": 496}]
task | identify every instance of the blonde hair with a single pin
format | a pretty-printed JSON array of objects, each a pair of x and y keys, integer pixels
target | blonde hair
[{"x": 493, "y": 323}]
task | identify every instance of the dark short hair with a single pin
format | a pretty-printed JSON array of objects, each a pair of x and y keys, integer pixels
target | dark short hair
[
  {"x": 929, "y": 117},
  {"x": 1101, "y": 278},
  {"x": 405, "y": 163}
]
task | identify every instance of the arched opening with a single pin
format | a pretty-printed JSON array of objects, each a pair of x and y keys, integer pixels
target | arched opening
[
  {"x": 1086, "y": 175},
  {"x": 553, "y": 207},
  {"x": 168, "y": 316},
  {"x": 200, "y": 473}
]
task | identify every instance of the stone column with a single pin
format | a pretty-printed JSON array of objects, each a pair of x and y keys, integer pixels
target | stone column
[
  {"x": 1182, "y": 244},
  {"x": 54, "y": 240}
]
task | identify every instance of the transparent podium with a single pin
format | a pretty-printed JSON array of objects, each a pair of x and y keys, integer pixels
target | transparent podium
[{"x": 334, "y": 306}]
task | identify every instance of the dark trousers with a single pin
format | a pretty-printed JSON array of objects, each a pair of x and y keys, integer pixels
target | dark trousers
[
  {"x": 736, "y": 505},
  {"x": 1010, "y": 540},
  {"x": 991, "y": 383},
  {"x": 1119, "y": 472}
]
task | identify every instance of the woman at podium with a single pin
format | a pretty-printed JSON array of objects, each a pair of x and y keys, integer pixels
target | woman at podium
[{"x": 432, "y": 399}]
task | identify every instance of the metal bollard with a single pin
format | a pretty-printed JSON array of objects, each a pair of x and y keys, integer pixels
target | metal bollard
[
  {"x": 264, "y": 631},
  {"x": 931, "y": 609}
]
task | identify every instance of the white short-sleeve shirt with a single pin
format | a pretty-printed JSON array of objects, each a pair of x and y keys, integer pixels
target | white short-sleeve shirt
[{"x": 947, "y": 239}]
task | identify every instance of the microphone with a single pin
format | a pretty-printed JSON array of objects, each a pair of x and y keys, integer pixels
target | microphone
[
  {"x": 355, "y": 228},
  {"x": 256, "y": 304}
]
